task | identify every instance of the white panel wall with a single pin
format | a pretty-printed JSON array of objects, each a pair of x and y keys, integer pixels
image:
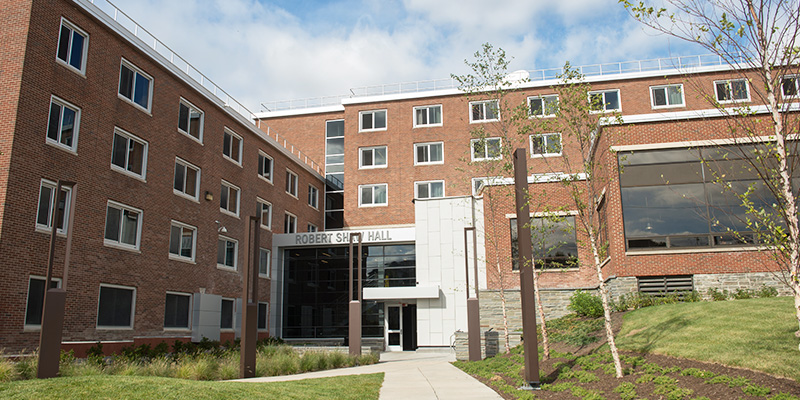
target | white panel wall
[{"x": 207, "y": 309}]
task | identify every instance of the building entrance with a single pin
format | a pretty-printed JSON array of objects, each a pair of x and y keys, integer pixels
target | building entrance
[{"x": 401, "y": 327}]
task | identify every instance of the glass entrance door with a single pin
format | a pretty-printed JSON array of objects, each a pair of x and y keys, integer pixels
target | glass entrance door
[{"x": 394, "y": 328}]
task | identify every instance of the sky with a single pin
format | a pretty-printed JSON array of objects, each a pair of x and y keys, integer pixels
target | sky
[{"x": 271, "y": 50}]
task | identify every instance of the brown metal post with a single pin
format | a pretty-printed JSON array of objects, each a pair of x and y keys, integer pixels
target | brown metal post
[
  {"x": 473, "y": 307},
  {"x": 354, "y": 324},
  {"x": 247, "y": 368},
  {"x": 54, "y": 299},
  {"x": 529, "y": 329}
]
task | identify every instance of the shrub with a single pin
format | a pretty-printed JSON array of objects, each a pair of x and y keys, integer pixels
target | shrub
[
  {"x": 7, "y": 371},
  {"x": 27, "y": 366},
  {"x": 163, "y": 366},
  {"x": 740, "y": 294},
  {"x": 199, "y": 368},
  {"x": 767, "y": 291},
  {"x": 79, "y": 368},
  {"x": 229, "y": 365},
  {"x": 586, "y": 304},
  {"x": 717, "y": 295},
  {"x": 756, "y": 390},
  {"x": 626, "y": 390}
]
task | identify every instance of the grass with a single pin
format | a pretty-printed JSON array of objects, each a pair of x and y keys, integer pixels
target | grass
[
  {"x": 752, "y": 333},
  {"x": 134, "y": 387}
]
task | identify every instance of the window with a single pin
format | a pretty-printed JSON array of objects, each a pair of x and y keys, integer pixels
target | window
[
  {"x": 226, "y": 314},
  {"x": 554, "y": 242},
  {"x": 789, "y": 86},
  {"x": 289, "y": 223},
  {"x": 265, "y": 164},
  {"x": 229, "y": 199},
  {"x": 372, "y": 120},
  {"x": 543, "y": 106},
  {"x": 263, "y": 309},
  {"x": 731, "y": 90},
  {"x": 265, "y": 209},
  {"x": 311, "y": 227},
  {"x": 372, "y": 195},
  {"x": 123, "y": 225},
  {"x": 63, "y": 123},
  {"x": 115, "y": 306},
  {"x": 372, "y": 157},
  {"x": 482, "y": 111},
  {"x": 291, "y": 183},
  {"x": 263, "y": 262},
  {"x": 129, "y": 154},
  {"x": 313, "y": 196},
  {"x": 227, "y": 253},
  {"x": 478, "y": 184},
  {"x": 667, "y": 96},
  {"x": 486, "y": 149},
  {"x": 428, "y": 116},
  {"x": 429, "y": 153},
  {"x": 190, "y": 120},
  {"x": 35, "y": 304},
  {"x": 187, "y": 179},
  {"x": 548, "y": 144},
  {"x": 232, "y": 146},
  {"x": 182, "y": 241},
  {"x": 44, "y": 215},
  {"x": 607, "y": 100},
  {"x": 72, "y": 46},
  {"x": 177, "y": 308},
  {"x": 135, "y": 86},
  {"x": 429, "y": 190}
]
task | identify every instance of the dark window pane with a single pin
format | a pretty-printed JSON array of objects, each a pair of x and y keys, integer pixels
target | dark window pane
[
  {"x": 688, "y": 241},
  {"x": 183, "y": 117},
  {"x": 112, "y": 223},
  {"x": 126, "y": 82},
  {"x": 366, "y": 120},
  {"x": 262, "y": 316},
  {"x": 191, "y": 181},
  {"x": 119, "y": 150},
  {"x": 226, "y": 144},
  {"x": 115, "y": 307},
  {"x": 175, "y": 240},
  {"x": 54, "y": 125},
  {"x": 67, "y": 126},
  {"x": 63, "y": 43},
  {"x": 45, "y": 203},
  {"x": 226, "y": 317},
  {"x": 334, "y": 128},
  {"x": 179, "y": 178},
  {"x": 76, "y": 58},
  {"x": 142, "y": 91},
  {"x": 135, "y": 157},
  {"x": 33, "y": 314},
  {"x": 176, "y": 311}
]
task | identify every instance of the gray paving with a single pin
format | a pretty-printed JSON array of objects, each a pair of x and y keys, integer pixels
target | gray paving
[{"x": 410, "y": 375}]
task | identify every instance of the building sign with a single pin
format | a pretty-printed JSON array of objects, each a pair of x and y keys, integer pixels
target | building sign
[{"x": 387, "y": 235}]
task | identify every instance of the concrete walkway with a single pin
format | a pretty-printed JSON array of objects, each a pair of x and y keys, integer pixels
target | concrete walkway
[{"x": 410, "y": 375}]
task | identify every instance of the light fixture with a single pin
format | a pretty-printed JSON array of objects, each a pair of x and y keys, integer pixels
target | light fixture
[
  {"x": 209, "y": 196},
  {"x": 220, "y": 228}
]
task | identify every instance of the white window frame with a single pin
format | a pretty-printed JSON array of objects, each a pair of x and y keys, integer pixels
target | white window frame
[
  {"x": 485, "y": 148},
  {"x": 232, "y": 134},
  {"x": 603, "y": 92},
  {"x": 271, "y": 173},
  {"x": 313, "y": 197},
  {"x": 428, "y": 145},
  {"x": 544, "y": 98},
  {"x": 190, "y": 311},
  {"x": 26, "y": 325},
  {"x": 136, "y": 70},
  {"x": 287, "y": 219},
  {"x": 75, "y": 125},
  {"x": 233, "y": 315},
  {"x": 372, "y": 149},
  {"x": 261, "y": 203},
  {"x": 372, "y": 112},
  {"x": 269, "y": 262},
  {"x": 133, "y": 308},
  {"x": 428, "y": 184},
  {"x": 191, "y": 108},
  {"x": 186, "y": 165},
  {"x": 84, "y": 53},
  {"x": 49, "y": 227},
  {"x": 235, "y": 253},
  {"x": 372, "y": 191},
  {"x": 728, "y": 84},
  {"x": 666, "y": 88},
  {"x": 292, "y": 184},
  {"x": 427, "y": 111},
  {"x": 145, "y": 148},
  {"x": 483, "y": 104},
  {"x": 229, "y": 187},
  {"x": 545, "y": 137},
  {"x": 311, "y": 227},
  {"x": 118, "y": 243},
  {"x": 796, "y": 80},
  {"x": 179, "y": 257}
]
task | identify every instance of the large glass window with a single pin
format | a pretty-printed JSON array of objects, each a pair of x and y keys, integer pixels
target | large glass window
[
  {"x": 554, "y": 242},
  {"x": 546, "y": 144},
  {"x": 129, "y": 154},
  {"x": 123, "y": 225},
  {"x": 428, "y": 116},
  {"x": 543, "y": 106},
  {"x": 190, "y": 120},
  {"x": 606, "y": 100},
  {"x": 429, "y": 153},
  {"x": 732, "y": 90},
  {"x": 226, "y": 314},
  {"x": 372, "y": 120},
  {"x": 115, "y": 306},
  {"x": 227, "y": 252},
  {"x": 372, "y": 157},
  {"x": 667, "y": 96},
  {"x": 187, "y": 179},
  {"x": 33, "y": 311},
  {"x": 44, "y": 215},
  {"x": 72, "y": 46},
  {"x": 429, "y": 190},
  {"x": 486, "y": 149},
  {"x": 62, "y": 126},
  {"x": 372, "y": 195},
  {"x": 334, "y": 174},
  {"x": 483, "y": 111},
  {"x": 135, "y": 86},
  {"x": 182, "y": 239},
  {"x": 177, "y": 308}
]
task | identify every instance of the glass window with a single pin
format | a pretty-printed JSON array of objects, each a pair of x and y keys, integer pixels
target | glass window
[
  {"x": 266, "y": 213},
  {"x": 232, "y": 146},
  {"x": 265, "y": 164},
  {"x": 187, "y": 179},
  {"x": 190, "y": 120},
  {"x": 428, "y": 116},
  {"x": 135, "y": 86},
  {"x": 72, "y": 46},
  {"x": 481, "y": 111},
  {"x": 229, "y": 198},
  {"x": 129, "y": 154},
  {"x": 44, "y": 214},
  {"x": 543, "y": 106},
  {"x": 789, "y": 86},
  {"x": 177, "y": 308},
  {"x": 311, "y": 227},
  {"x": 226, "y": 314},
  {"x": 486, "y": 149},
  {"x": 35, "y": 304},
  {"x": 182, "y": 239},
  {"x": 429, "y": 153},
  {"x": 289, "y": 223},
  {"x": 732, "y": 90},
  {"x": 227, "y": 253},
  {"x": 372, "y": 195},
  {"x": 429, "y": 190},
  {"x": 372, "y": 120},
  {"x": 554, "y": 242},
  {"x": 263, "y": 262},
  {"x": 667, "y": 96},
  {"x": 291, "y": 183},
  {"x": 606, "y": 100},
  {"x": 263, "y": 309},
  {"x": 372, "y": 157},
  {"x": 63, "y": 123},
  {"x": 548, "y": 144},
  {"x": 115, "y": 308},
  {"x": 313, "y": 196},
  {"x": 123, "y": 225}
]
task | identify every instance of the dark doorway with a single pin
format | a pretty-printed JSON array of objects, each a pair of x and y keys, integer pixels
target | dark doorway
[{"x": 410, "y": 327}]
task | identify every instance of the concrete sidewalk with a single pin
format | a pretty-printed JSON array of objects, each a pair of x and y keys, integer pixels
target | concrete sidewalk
[{"x": 410, "y": 375}]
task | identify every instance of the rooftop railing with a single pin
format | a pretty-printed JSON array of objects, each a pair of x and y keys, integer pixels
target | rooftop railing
[{"x": 193, "y": 74}]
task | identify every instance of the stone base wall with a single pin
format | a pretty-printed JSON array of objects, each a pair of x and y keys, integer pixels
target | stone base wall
[{"x": 731, "y": 282}]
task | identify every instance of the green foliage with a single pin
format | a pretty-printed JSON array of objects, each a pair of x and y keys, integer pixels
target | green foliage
[
  {"x": 96, "y": 351},
  {"x": 7, "y": 371},
  {"x": 573, "y": 330},
  {"x": 717, "y": 295},
  {"x": 585, "y": 304},
  {"x": 626, "y": 390},
  {"x": 559, "y": 387},
  {"x": 756, "y": 390},
  {"x": 740, "y": 294},
  {"x": 637, "y": 300},
  {"x": 586, "y": 394},
  {"x": 699, "y": 373},
  {"x": 27, "y": 366},
  {"x": 581, "y": 376},
  {"x": 784, "y": 396},
  {"x": 645, "y": 378},
  {"x": 767, "y": 291}
]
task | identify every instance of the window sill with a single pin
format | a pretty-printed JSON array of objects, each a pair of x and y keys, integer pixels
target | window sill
[
  {"x": 483, "y": 121},
  {"x": 429, "y": 163},
  {"x": 266, "y": 228},
  {"x": 187, "y": 134},
  {"x": 47, "y": 231},
  {"x": 263, "y": 276},
  {"x": 668, "y": 107},
  {"x": 372, "y": 205},
  {"x": 119, "y": 246},
  {"x": 186, "y": 196},
  {"x": 114, "y": 328},
  {"x": 372, "y": 167},
  {"x": 542, "y": 116},
  {"x": 238, "y": 163},
  {"x": 372, "y": 130},
  {"x": 546, "y": 155},
  {"x": 173, "y": 257},
  {"x": 226, "y": 268},
  {"x": 128, "y": 173},
  {"x": 61, "y": 147},
  {"x": 266, "y": 180},
  {"x": 747, "y": 100},
  {"x": 294, "y": 196},
  {"x": 137, "y": 106},
  {"x": 82, "y": 74},
  {"x": 32, "y": 328},
  {"x": 226, "y": 212},
  {"x": 694, "y": 250},
  {"x": 428, "y": 126},
  {"x": 178, "y": 330}
]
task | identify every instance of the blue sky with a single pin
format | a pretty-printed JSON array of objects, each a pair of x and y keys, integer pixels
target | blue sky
[{"x": 261, "y": 51}]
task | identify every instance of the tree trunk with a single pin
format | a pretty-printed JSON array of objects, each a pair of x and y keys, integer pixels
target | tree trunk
[
  {"x": 503, "y": 307},
  {"x": 606, "y": 308},
  {"x": 540, "y": 307}
]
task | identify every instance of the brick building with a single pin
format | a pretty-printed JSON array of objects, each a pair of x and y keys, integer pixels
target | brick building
[{"x": 169, "y": 169}]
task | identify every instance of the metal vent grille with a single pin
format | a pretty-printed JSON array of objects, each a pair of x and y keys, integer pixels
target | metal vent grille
[{"x": 660, "y": 285}]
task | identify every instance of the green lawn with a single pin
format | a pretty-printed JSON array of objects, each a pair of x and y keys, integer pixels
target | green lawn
[
  {"x": 135, "y": 387},
  {"x": 752, "y": 333}
]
